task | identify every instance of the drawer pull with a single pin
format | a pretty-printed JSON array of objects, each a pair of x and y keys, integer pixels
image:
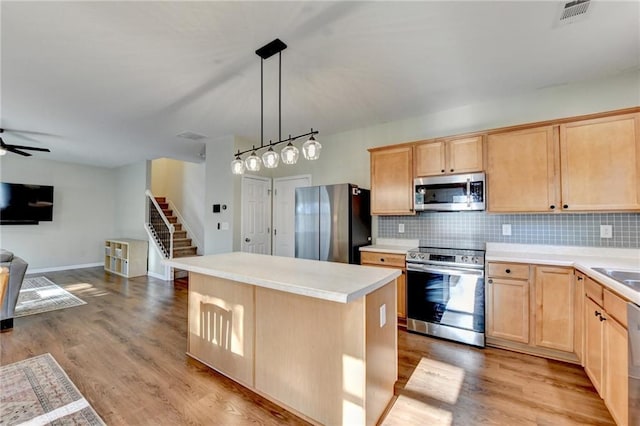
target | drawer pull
[
  {"x": 602, "y": 318},
  {"x": 508, "y": 271},
  {"x": 382, "y": 259},
  {"x": 597, "y": 314},
  {"x": 490, "y": 281}
]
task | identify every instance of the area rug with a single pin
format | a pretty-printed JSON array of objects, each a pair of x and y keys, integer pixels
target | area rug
[
  {"x": 38, "y": 294},
  {"x": 37, "y": 391}
]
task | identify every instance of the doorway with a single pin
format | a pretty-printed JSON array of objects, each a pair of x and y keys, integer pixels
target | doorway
[
  {"x": 284, "y": 215},
  {"x": 255, "y": 233}
]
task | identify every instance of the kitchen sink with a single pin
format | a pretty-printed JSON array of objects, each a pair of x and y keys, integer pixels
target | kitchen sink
[{"x": 629, "y": 278}]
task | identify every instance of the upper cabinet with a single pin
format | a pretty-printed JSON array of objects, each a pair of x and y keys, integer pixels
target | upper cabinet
[
  {"x": 447, "y": 156},
  {"x": 521, "y": 171},
  {"x": 585, "y": 165},
  {"x": 600, "y": 163},
  {"x": 392, "y": 180}
]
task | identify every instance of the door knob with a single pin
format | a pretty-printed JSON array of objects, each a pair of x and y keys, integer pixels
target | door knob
[{"x": 247, "y": 240}]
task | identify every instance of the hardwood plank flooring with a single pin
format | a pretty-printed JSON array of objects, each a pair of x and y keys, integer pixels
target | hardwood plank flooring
[{"x": 125, "y": 350}]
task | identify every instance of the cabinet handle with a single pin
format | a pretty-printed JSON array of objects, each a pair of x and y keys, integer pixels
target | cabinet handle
[
  {"x": 602, "y": 318},
  {"x": 490, "y": 281},
  {"x": 451, "y": 169},
  {"x": 442, "y": 171},
  {"x": 508, "y": 271},
  {"x": 565, "y": 206},
  {"x": 579, "y": 278},
  {"x": 596, "y": 313},
  {"x": 382, "y": 259},
  {"x": 552, "y": 206}
]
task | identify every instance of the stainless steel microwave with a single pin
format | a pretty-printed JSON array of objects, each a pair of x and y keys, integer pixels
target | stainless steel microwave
[{"x": 450, "y": 193}]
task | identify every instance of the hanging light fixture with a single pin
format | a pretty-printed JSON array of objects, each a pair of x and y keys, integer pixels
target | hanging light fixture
[
  {"x": 289, "y": 154},
  {"x": 311, "y": 148},
  {"x": 270, "y": 158}
]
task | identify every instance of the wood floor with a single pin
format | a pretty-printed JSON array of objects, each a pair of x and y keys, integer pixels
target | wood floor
[{"x": 125, "y": 351}]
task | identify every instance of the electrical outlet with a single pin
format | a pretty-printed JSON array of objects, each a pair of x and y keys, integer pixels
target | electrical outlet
[
  {"x": 606, "y": 231},
  {"x": 401, "y": 228},
  {"x": 506, "y": 229},
  {"x": 383, "y": 315}
]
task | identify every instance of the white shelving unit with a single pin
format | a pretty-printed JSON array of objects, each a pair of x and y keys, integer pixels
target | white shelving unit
[{"x": 126, "y": 257}]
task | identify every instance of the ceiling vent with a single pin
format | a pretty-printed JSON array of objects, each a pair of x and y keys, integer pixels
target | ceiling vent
[
  {"x": 574, "y": 10},
  {"x": 191, "y": 136}
]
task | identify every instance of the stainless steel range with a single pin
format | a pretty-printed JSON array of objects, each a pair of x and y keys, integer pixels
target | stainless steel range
[{"x": 445, "y": 293}]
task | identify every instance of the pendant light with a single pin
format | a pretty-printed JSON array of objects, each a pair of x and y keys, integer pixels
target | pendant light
[
  {"x": 270, "y": 158},
  {"x": 289, "y": 154},
  {"x": 311, "y": 148}
]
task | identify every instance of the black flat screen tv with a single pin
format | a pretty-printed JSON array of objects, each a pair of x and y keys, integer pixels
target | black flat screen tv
[{"x": 22, "y": 204}]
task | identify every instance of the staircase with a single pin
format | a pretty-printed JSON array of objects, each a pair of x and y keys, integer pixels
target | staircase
[{"x": 182, "y": 245}]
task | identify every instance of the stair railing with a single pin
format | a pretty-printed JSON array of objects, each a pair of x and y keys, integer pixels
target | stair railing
[{"x": 159, "y": 226}]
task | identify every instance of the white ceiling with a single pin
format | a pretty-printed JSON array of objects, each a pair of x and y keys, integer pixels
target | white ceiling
[{"x": 111, "y": 83}]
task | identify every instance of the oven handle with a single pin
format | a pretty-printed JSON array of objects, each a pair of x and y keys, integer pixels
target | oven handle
[{"x": 447, "y": 271}]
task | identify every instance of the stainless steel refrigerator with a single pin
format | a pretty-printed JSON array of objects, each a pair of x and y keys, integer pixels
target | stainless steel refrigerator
[{"x": 332, "y": 222}]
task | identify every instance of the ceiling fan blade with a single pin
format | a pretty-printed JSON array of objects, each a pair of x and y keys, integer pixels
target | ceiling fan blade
[
  {"x": 33, "y": 148},
  {"x": 17, "y": 151},
  {"x": 30, "y": 132}
]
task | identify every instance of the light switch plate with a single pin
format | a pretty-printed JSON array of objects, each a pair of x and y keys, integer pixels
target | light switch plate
[
  {"x": 506, "y": 229},
  {"x": 225, "y": 226},
  {"x": 606, "y": 231},
  {"x": 383, "y": 315}
]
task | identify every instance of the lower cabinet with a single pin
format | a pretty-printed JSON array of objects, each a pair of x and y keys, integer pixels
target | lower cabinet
[
  {"x": 391, "y": 260},
  {"x": 531, "y": 309},
  {"x": 606, "y": 348}
]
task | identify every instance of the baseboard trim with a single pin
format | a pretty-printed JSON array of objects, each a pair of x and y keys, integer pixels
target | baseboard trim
[
  {"x": 158, "y": 276},
  {"x": 63, "y": 268}
]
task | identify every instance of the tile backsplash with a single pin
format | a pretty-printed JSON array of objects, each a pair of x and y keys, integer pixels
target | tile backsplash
[{"x": 445, "y": 228}]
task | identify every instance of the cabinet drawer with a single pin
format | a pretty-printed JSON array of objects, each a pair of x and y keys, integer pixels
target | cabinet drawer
[
  {"x": 382, "y": 259},
  {"x": 593, "y": 291},
  {"x": 508, "y": 270},
  {"x": 615, "y": 306}
]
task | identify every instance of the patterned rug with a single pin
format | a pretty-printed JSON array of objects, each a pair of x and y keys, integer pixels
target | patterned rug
[
  {"x": 37, "y": 391},
  {"x": 38, "y": 294}
]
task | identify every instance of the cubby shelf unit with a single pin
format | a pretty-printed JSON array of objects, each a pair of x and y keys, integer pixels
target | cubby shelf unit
[{"x": 126, "y": 257}]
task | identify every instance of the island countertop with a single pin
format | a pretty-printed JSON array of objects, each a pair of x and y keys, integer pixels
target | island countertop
[{"x": 337, "y": 282}]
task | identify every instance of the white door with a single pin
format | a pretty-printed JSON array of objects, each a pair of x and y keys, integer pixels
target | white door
[
  {"x": 256, "y": 215},
  {"x": 284, "y": 214}
]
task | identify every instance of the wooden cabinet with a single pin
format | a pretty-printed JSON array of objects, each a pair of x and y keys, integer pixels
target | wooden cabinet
[
  {"x": 578, "y": 316},
  {"x": 583, "y": 165},
  {"x": 447, "y": 156},
  {"x": 530, "y": 308},
  {"x": 126, "y": 257},
  {"x": 606, "y": 348},
  {"x": 554, "y": 296},
  {"x": 521, "y": 171},
  {"x": 392, "y": 180},
  {"x": 600, "y": 165},
  {"x": 508, "y": 302},
  {"x": 391, "y": 260}
]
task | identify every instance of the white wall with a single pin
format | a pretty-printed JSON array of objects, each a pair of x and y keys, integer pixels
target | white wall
[
  {"x": 84, "y": 213},
  {"x": 219, "y": 189},
  {"x": 130, "y": 201}
]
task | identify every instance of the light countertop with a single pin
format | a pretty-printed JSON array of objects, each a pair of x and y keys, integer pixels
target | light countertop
[
  {"x": 392, "y": 245},
  {"x": 338, "y": 282},
  {"x": 580, "y": 258}
]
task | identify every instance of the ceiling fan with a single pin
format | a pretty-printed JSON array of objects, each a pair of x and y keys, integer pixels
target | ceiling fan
[{"x": 18, "y": 149}]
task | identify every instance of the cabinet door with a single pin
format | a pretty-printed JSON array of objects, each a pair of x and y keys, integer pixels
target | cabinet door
[
  {"x": 555, "y": 294},
  {"x": 430, "y": 158},
  {"x": 616, "y": 380},
  {"x": 392, "y": 181},
  {"x": 601, "y": 163},
  {"x": 464, "y": 155},
  {"x": 508, "y": 309},
  {"x": 594, "y": 343},
  {"x": 521, "y": 171},
  {"x": 402, "y": 295}
]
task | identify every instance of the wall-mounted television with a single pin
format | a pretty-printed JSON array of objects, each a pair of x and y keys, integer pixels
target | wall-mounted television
[{"x": 23, "y": 204}]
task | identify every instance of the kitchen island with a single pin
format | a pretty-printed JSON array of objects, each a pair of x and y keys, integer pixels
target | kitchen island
[{"x": 317, "y": 338}]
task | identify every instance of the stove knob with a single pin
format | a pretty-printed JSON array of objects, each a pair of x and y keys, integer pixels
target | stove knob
[
  {"x": 465, "y": 259},
  {"x": 421, "y": 256},
  {"x": 412, "y": 255},
  {"x": 475, "y": 260}
]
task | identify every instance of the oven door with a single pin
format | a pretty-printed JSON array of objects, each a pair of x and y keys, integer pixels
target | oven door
[{"x": 447, "y": 297}]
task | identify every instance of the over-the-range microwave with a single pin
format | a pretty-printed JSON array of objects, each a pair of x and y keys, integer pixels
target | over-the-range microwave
[{"x": 450, "y": 193}]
